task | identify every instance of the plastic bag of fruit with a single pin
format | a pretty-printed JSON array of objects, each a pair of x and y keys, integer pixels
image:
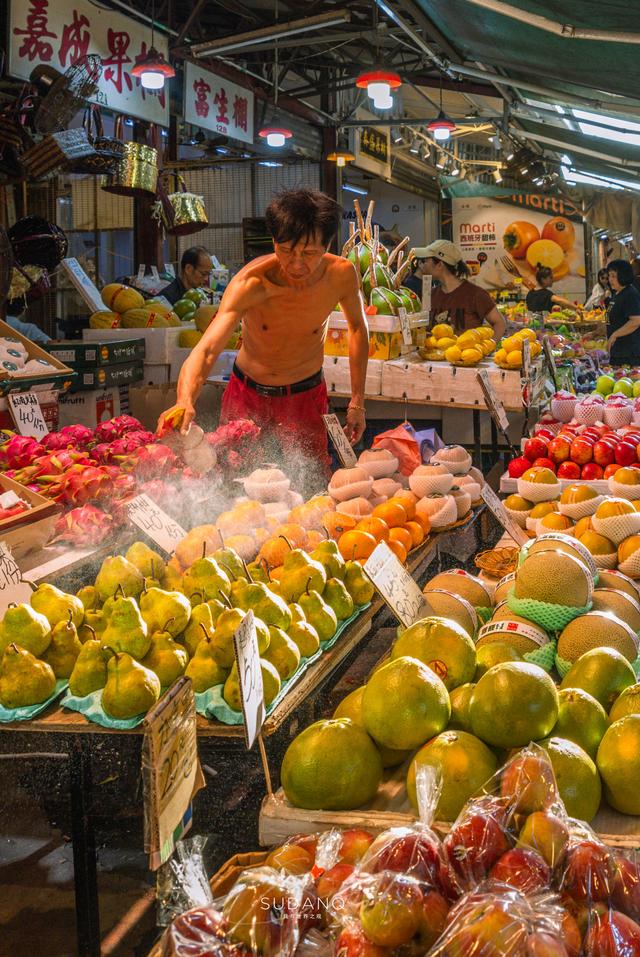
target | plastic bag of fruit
[
  {"x": 500, "y": 921},
  {"x": 515, "y": 832}
]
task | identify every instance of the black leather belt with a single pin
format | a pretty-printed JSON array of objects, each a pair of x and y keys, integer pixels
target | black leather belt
[{"x": 279, "y": 390}]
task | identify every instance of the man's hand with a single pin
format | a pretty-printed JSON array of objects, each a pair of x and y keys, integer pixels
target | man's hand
[
  {"x": 612, "y": 338},
  {"x": 177, "y": 417},
  {"x": 355, "y": 425}
]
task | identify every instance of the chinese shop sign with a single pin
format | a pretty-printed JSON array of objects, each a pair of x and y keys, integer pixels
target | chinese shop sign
[
  {"x": 371, "y": 145},
  {"x": 216, "y": 104},
  {"x": 60, "y": 34},
  {"x": 374, "y": 144}
]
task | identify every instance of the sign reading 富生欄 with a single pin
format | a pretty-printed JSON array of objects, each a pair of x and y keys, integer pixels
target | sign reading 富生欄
[{"x": 217, "y": 104}]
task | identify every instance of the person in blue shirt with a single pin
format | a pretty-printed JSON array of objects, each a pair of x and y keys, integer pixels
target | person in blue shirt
[{"x": 15, "y": 309}]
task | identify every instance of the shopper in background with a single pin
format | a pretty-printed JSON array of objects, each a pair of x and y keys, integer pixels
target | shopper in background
[
  {"x": 456, "y": 300},
  {"x": 600, "y": 293},
  {"x": 623, "y": 315},
  {"x": 635, "y": 265},
  {"x": 541, "y": 299},
  {"x": 195, "y": 269},
  {"x": 15, "y": 310},
  {"x": 414, "y": 281}
]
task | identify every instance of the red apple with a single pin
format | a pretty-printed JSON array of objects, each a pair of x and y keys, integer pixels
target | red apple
[
  {"x": 432, "y": 919},
  {"x": 535, "y": 448},
  {"x": 542, "y": 433},
  {"x": 613, "y": 935},
  {"x": 405, "y": 851},
  {"x": 571, "y": 934},
  {"x": 568, "y": 470},
  {"x": 519, "y": 466},
  {"x": 332, "y": 880},
  {"x": 546, "y": 463},
  {"x": 591, "y": 433},
  {"x": 589, "y": 872},
  {"x": 625, "y": 453},
  {"x": 524, "y": 869},
  {"x": 353, "y": 942},
  {"x": 581, "y": 451},
  {"x": 472, "y": 847},
  {"x": 591, "y": 471},
  {"x": 626, "y": 887},
  {"x": 604, "y": 452},
  {"x": 611, "y": 470},
  {"x": 545, "y": 945},
  {"x": 559, "y": 449}
]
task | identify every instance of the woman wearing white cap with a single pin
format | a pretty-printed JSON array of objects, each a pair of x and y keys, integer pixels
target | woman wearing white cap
[{"x": 456, "y": 300}]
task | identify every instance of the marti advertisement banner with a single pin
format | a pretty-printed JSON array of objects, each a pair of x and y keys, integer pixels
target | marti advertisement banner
[{"x": 506, "y": 237}]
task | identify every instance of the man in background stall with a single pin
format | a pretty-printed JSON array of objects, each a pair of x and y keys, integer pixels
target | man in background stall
[{"x": 195, "y": 269}]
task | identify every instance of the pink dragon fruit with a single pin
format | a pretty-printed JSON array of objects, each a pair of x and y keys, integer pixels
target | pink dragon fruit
[
  {"x": 19, "y": 452},
  {"x": 101, "y": 453},
  {"x": 83, "y": 484},
  {"x": 86, "y": 525},
  {"x": 49, "y": 467},
  {"x": 55, "y": 442},
  {"x": 79, "y": 436},
  {"x": 151, "y": 461},
  {"x": 120, "y": 449},
  {"x": 116, "y": 428}
]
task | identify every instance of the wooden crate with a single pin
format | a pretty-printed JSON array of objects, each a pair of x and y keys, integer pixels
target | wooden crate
[
  {"x": 225, "y": 878},
  {"x": 32, "y": 529}
]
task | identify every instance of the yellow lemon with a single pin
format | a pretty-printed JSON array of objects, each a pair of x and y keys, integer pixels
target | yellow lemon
[
  {"x": 446, "y": 341},
  {"x": 514, "y": 358},
  {"x": 442, "y": 330},
  {"x": 488, "y": 345},
  {"x": 484, "y": 332},
  {"x": 527, "y": 334},
  {"x": 453, "y": 354},
  {"x": 431, "y": 342},
  {"x": 471, "y": 356},
  {"x": 501, "y": 356}
]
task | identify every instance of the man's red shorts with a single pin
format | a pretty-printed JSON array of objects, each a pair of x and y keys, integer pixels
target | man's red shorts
[{"x": 294, "y": 421}]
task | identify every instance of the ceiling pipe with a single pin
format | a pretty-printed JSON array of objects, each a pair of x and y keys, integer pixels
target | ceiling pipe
[
  {"x": 417, "y": 39},
  {"x": 566, "y": 30},
  {"x": 566, "y": 147},
  {"x": 278, "y": 31},
  {"x": 138, "y": 15}
]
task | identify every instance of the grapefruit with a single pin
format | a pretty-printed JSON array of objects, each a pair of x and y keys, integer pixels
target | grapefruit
[
  {"x": 604, "y": 673},
  {"x": 496, "y": 653},
  {"x": 404, "y": 704},
  {"x": 443, "y": 645},
  {"x": 577, "y": 777},
  {"x": 512, "y": 704},
  {"x": 627, "y": 703},
  {"x": 619, "y": 764},
  {"x": 597, "y": 629},
  {"x": 332, "y": 765},
  {"x": 351, "y": 707},
  {"x": 465, "y": 765},
  {"x": 460, "y": 698},
  {"x": 581, "y": 719}
]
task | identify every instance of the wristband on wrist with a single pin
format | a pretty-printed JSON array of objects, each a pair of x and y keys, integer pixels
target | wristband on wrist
[{"x": 356, "y": 408}]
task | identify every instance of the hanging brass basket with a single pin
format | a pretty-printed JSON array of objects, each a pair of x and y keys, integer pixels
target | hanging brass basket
[
  {"x": 181, "y": 213},
  {"x": 136, "y": 173}
]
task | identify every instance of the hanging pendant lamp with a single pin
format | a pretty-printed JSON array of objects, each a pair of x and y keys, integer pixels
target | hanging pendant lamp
[
  {"x": 152, "y": 70},
  {"x": 442, "y": 127},
  {"x": 275, "y": 133},
  {"x": 379, "y": 84}
]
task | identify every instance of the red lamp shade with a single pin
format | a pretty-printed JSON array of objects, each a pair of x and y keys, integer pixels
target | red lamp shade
[
  {"x": 442, "y": 127},
  {"x": 378, "y": 84},
  {"x": 276, "y": 136},
  {"x": 153, "y": 70}
]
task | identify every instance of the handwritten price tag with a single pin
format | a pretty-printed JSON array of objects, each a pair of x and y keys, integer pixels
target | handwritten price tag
[
  {"x": 526, "y": 360},
  {"x": 159, "y": 526},
  {"x": 27, "y": 414},
  {"x": 170, "y": 770},
  {"x": 394, "y": 583},
  {"x": 249, "y": 677},
  {"x": 13, "y": 588},
  {"x": 340, "y": 442},
  {"x": 405, "y": 326},
  {"x": 494, "y": 403},
  {"x": 511, "y": 527},
  {"x": 551, "y": 362}
]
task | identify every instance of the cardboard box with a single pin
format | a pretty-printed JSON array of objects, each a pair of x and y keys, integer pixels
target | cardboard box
[
  {"x": 32, "y": 529},
  {"x": 123, "y": 373},
  {"x": 148, "y": 402},
  {"x": 221, "y": 368},
  {"x": 156, "y": 373},
  {"x": 62, "y": 376},
  {"x": 77, "y": 353},
  {"x": 89, "y": 408},
  {"x": 160, "y": 344}
]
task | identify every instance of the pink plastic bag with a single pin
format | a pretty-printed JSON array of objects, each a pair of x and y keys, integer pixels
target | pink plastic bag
[{"x": 402, "y": 443}]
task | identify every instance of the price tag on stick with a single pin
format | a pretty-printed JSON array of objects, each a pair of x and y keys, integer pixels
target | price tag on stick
[
  {"x": 494, "y": 406},
  {"x": 405, "y": 326},
  {"x": 171, "y": 770},
  {"x": 27, "y": 414},
  {"x": 394, "y": 583},
  {"x": 159, "y": 526},
  {"x": 13, "y": 588},
  {"x": 245, "y": 640},
  {"x": 341, "y": 443},
  {"x": 510, "y": 526},
  {"x": 551, "y": 362},
  {"x": 526, "y": 362}
]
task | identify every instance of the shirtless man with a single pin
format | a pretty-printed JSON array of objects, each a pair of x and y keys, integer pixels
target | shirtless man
[{"x": 284, "y": 301}]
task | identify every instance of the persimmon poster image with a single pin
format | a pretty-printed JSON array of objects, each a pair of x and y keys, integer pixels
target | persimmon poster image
[{"x": 517, "y": 233}]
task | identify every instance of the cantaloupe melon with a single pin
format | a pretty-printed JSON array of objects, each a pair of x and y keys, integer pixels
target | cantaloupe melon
[
  {"x": 459, "y": 582},
  {"x": 614, "y": 579},
  {"x": 557, "y": 541},
  {"x": 521, "y": 635},
  {"x": 104, "y": 319},
  {"x": 121, "y": 298},
  {"x": 597, "y": 629},
  {"x": 556, "y": 577},
  {"x": 455, "y": 607},
  {"x": 621, "y": 604},
  {"x": 503, "y": 588}
]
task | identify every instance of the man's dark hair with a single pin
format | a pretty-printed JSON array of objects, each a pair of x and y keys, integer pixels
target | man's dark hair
[
  {"x": 297, "y": 214},
  {"x": 623, "y": 270},
  {"x": 191, "y": 256}
]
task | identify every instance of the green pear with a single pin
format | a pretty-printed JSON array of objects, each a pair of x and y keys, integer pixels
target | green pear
[
  {"x": 165, "y": 610},
  {"x": 259, "y": 571},
  {"x": 117, "y": 573},
  {"x": 229, "y": 559},
  {"x": 171, "y": 579},
  {"x": 208, "y": 578},
  {"x": 131, "y": 689},
  {"x": 55, "y": 605},
  {"x": 24, "y": 680},
  {"x": 93, "y": 625},
  {"x": 201, "y": 626},
  {"x": 127, "y": 630},
  {"x": 204, "y": 669},
  {"x": 283, "y": 653},
  {"x": 266, "y": 605},
  {"x": 148, "y": 562},
  {"x": 300, "y": 573},
  {"x": 89, "y": 598},
  {"x": 328, "y": 554},
  {"x": 26, "y": 627},
  {"x": 297, "y": 613},
  {"x": 357, "y": 584},
  {"x": 216, "y": 607},
  {"x": 64, "y": 648},
  {"x": 270, "y": 683},
  {"x": 305, "y": 637},
  {"x": 226, "y": 625},
  {"x": 319, "y": 615},
  {"x": 337, "y": 597},
  {"x": 166, "y": 658},
  {"x": 90, "y": 669}
]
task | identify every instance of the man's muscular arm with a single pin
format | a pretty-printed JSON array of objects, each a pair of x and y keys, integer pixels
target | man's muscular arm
[
  {"x": 241, "y": 294},
  {"x": 353, "y": 309}
]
